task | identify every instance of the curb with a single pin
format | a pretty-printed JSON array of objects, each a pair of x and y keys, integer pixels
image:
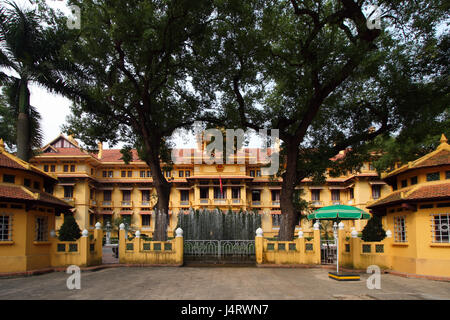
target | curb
[{"x": 83, "y": 269}]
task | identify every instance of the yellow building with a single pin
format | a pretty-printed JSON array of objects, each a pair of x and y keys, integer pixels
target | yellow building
[
  {"x": 27, "y": 214},
  {"x": 418, "y": 213},
  {"x": 101, "y": 186}
]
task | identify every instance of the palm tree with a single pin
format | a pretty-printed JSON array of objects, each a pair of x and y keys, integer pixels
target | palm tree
[{"x": 30, "y": 52}]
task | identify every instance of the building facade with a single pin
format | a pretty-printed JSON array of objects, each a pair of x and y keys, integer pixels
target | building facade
[
  {"x": 101, "y": 187},
  {"x": 418, "y": 213},
  {"x": 27, "y": 214}
]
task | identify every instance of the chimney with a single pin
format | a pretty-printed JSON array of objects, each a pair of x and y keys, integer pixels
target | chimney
[{"x": 100, "y": 150}]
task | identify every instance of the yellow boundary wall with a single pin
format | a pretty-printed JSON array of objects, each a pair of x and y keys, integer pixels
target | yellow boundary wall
[{"x": 139, "y": 251}]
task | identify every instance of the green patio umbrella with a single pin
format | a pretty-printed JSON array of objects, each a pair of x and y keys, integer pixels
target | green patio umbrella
[{"x": 338, "y": 212}]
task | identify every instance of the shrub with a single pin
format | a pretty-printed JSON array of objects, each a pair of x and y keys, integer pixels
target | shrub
[
  {"x": 373, "y": 231},
  {"x": 70, "y": 231}
]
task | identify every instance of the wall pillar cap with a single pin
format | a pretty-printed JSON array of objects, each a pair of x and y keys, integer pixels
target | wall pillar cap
[
  {"x": 53, "y": 234},
  {"x": 316, "y": 225},
  {"x": 389, "y": 234},
  {"x": 259, "y": 232},
  {"x": 341, "y": 225},
  {"x": 85, "y": 233},
  {"x": 122, "y": 226},
  {"x": 179, "y": 232},
  {"x": 138, "y": 234},
  {"x": 300, "y": 234},
  {"x": 98, "y": 225},
  {"x": 354, "y": 233}
]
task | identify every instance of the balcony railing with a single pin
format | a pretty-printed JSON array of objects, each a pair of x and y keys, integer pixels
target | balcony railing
[
  {"x": 107, "y": 203},
  {"x": 70, "y": 200},
  {"x": 184, "y": 203},
  {"x": 93, "y": 203},
  {"x": 236, "y": 201},
  {"x": 275, "y": 202},
  {"x": 351, "y": 201},
  {"x": 316, "y": 203},
  {"x": 336, "y": 202},
  {"x": 256, "y": 203},
  {"x": 126, "y": 203},
  {"x": 220, "y": 201},
  {"x": 204, "y": 201},
  {"x": 145, "y": 204}
]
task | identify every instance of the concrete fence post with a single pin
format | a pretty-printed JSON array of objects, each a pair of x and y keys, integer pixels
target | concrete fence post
[
  {"x": 98, "y": 244},
  {"x": 122, "y": 243},
  {"x": 179, "y": 246},
  {"x": 83, "y": 242},
  {"x": 316, "y": 243},
  {"x": 355, "y": 248},
  {"x": 259, "y": 246},
  {"x": 341, "y": 239},
  {"x": 300, "y": 243}
]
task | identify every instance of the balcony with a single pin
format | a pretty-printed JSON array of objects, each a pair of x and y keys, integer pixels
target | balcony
[
  {"x": 256, "y": 203},
  {"x": 126, "y": 203},
  {"x": 275, "y": 202},
  {"x": 204, "y": 201},
  {"x": 316, "y": 203},
  {"x": 236, "y": 201},
  {"x": 93, "y": 203},
  {"x": 220, "y": 201},
  {"x": 144, "y": 204},
  {"x": 107, "y": 203},
  {"x": 69, "y": 200},
  {"x": 184, "y": 203}
]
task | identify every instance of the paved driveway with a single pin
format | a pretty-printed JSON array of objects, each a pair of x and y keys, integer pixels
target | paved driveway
[{"x": 216, "y": 283}]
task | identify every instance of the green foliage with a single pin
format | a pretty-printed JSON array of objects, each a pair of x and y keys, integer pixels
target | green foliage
[
  {"x": 30, "y": 52},
  {"x": 69, "y": 231},
  {"x": 373, "y": 231}
]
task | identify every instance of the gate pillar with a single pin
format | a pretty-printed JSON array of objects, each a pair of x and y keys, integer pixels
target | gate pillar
[{"x": 259, "y": 246}]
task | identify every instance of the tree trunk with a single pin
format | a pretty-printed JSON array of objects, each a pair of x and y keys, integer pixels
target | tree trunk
[
  {"x": 288, "y": 218},
  {"x": 23, "y": 123},
  {"x": 163, "y": 192}
]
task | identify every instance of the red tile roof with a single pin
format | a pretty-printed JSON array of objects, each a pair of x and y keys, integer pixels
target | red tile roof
[
  {"x": 16, "y": 192},
  {"x": 114, "y": 155},
  {"x": 439, "y": 159},
  {"x": 416, "y": 193},
  {"x": 431, "y": 192},
  {"x": 7, "y": 162}
]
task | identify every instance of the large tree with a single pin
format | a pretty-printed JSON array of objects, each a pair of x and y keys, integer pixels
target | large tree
[
  {"x": 138, "y": 69},
  {"x": 29, "y": 53},
  {"x": 323, "y": 76}
]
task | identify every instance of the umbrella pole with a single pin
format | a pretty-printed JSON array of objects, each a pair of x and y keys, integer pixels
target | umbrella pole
[{"x": 337, "y": 254}]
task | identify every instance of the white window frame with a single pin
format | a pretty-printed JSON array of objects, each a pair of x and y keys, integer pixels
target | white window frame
[
  {"x": 400, "y": 230},
  {"x": 41, "y": 235},
  {"x": 8, "y": 230},
  {"x": 437, "y": 230}
]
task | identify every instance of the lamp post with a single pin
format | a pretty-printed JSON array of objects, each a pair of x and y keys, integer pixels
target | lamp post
[
  {"x": 108, "y": 233},
  {"x": 336, "y": 241}
]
